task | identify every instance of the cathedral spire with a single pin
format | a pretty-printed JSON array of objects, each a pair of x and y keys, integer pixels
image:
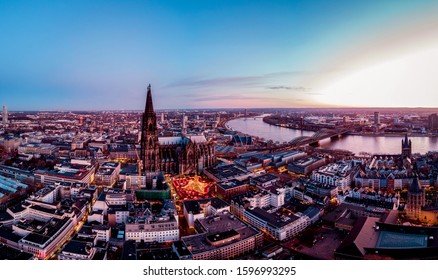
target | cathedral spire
[
  {"x": 149, "y": 105},
  {"x": 149, "y": 136}
]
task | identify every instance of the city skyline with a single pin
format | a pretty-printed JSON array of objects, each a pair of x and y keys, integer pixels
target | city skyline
[
  {"x": 197, "y": 186},
  {"x": 101, "y": 55}
]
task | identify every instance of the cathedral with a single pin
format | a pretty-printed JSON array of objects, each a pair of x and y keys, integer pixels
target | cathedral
[{"x": 177, "y": 155}]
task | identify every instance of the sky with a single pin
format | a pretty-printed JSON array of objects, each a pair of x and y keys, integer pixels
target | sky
[{"x": 100, "y": 55}]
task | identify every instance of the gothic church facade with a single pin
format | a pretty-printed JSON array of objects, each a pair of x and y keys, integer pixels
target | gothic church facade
[{"x": 177, "y": 155}]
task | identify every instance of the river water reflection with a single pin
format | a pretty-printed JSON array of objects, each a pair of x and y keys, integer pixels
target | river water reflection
[{"x": 354, "y": 143}]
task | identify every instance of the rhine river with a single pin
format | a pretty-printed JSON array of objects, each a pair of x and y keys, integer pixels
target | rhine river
[{"x": 354, "y": 143}]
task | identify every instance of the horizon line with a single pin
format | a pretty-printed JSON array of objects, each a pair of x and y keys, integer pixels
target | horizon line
[{"x": 231, "y": 109}]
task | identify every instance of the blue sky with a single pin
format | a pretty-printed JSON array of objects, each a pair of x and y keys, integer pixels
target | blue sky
[{"x": 82, "y": 55}]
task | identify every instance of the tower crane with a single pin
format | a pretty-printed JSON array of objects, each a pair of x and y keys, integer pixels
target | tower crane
[{"x": 139, "y": 162}]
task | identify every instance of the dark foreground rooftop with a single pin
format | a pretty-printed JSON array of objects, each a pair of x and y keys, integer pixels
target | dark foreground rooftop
[{"x": 7, "y": 253}]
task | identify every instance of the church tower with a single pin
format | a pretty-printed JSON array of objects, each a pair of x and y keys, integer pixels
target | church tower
[
  {"x": 149, "y": 136},
  {"x": 416, "y": 199},
  {"x": 406, "y": 147}
]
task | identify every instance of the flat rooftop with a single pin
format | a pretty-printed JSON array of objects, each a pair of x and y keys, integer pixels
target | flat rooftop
[
  {"x": 195, "y": 206},
  {"x": 218, "y": 224},
  {"x": 77, "y": 247},
  {"x": 17, "y": 208},
  {"x": 10, "y": 185},
  {"x": 128, "y": 169},
  {"x": 265, "y": 178},
  {"x": 241, "y": 199},
  {"x": 4, "y": 216},
  {"x": 44, "y": 191},
  {"x": 105, "y": 171},
  {"x": 388, "y": 239},
  {"x": 110, "y": 164},
  {"x": 37, "y": 238},
  {"x": 44, "y": 209},
  {"x": 156, "y": 254},
  {"x": 222, "y": 235},
  {"x": 7, "y": 253},
  {"x": 226, "y": 172},
  {"x": 273, "y": 219},
  {"x": 230, "y": 184},
  {"x": 181, "y": 248},
  {"x": 8, "y": 234},
  {"x": 41, "y": 236},
  {"x": 306, "y": 161},
  {"x": 332, "y": 169},
  {"x": 15, "y": 170},
  {"x": 77, "y": 174}
]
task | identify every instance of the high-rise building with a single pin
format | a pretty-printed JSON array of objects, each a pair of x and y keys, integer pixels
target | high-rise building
[
  {"x": 376, "y": 118},
  {"x": 184, "y": 124},
  {"x": 433, "y": 122},
  {"x": 5, "y": 115},
  {"x": 406, "y": 147},
  {"x": 180, "y": 154}
]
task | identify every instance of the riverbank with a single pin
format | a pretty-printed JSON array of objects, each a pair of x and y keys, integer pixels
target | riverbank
[
  {"x": 369, "y": 134},
  {"x": 381, "y": 143},
  {"x": 391, "y": 134}
]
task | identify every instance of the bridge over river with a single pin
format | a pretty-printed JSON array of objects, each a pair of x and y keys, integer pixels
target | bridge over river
[
  {"x": 318, "y": 136},
  {"x": 355, "y": 143}
]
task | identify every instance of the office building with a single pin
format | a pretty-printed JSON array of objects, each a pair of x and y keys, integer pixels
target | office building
[
  {"x": 376, "y": 118},
  {"x": 433, "y": 122},
  {"x": 197, "y": 209},
  {"x": 306, "y": 165},
  {"x": 5, "y": 116},
  {"x": 222, "y": 236}
]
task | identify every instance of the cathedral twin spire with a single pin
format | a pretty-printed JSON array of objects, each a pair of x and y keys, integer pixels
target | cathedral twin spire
[
  {"x": 149, "y": 105},
  {"x": 149, "y": 136},
  {"x": 169, "y": 158}
]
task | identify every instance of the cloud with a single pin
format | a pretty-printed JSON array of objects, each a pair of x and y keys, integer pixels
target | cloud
[
  {"x": 294, "y": 88},
  {"x": 237, "y": 81},
  {"x": 230, "y": 97},
  {"x": 224, "y": 81},
  {"x": 279, "y": 87}
]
